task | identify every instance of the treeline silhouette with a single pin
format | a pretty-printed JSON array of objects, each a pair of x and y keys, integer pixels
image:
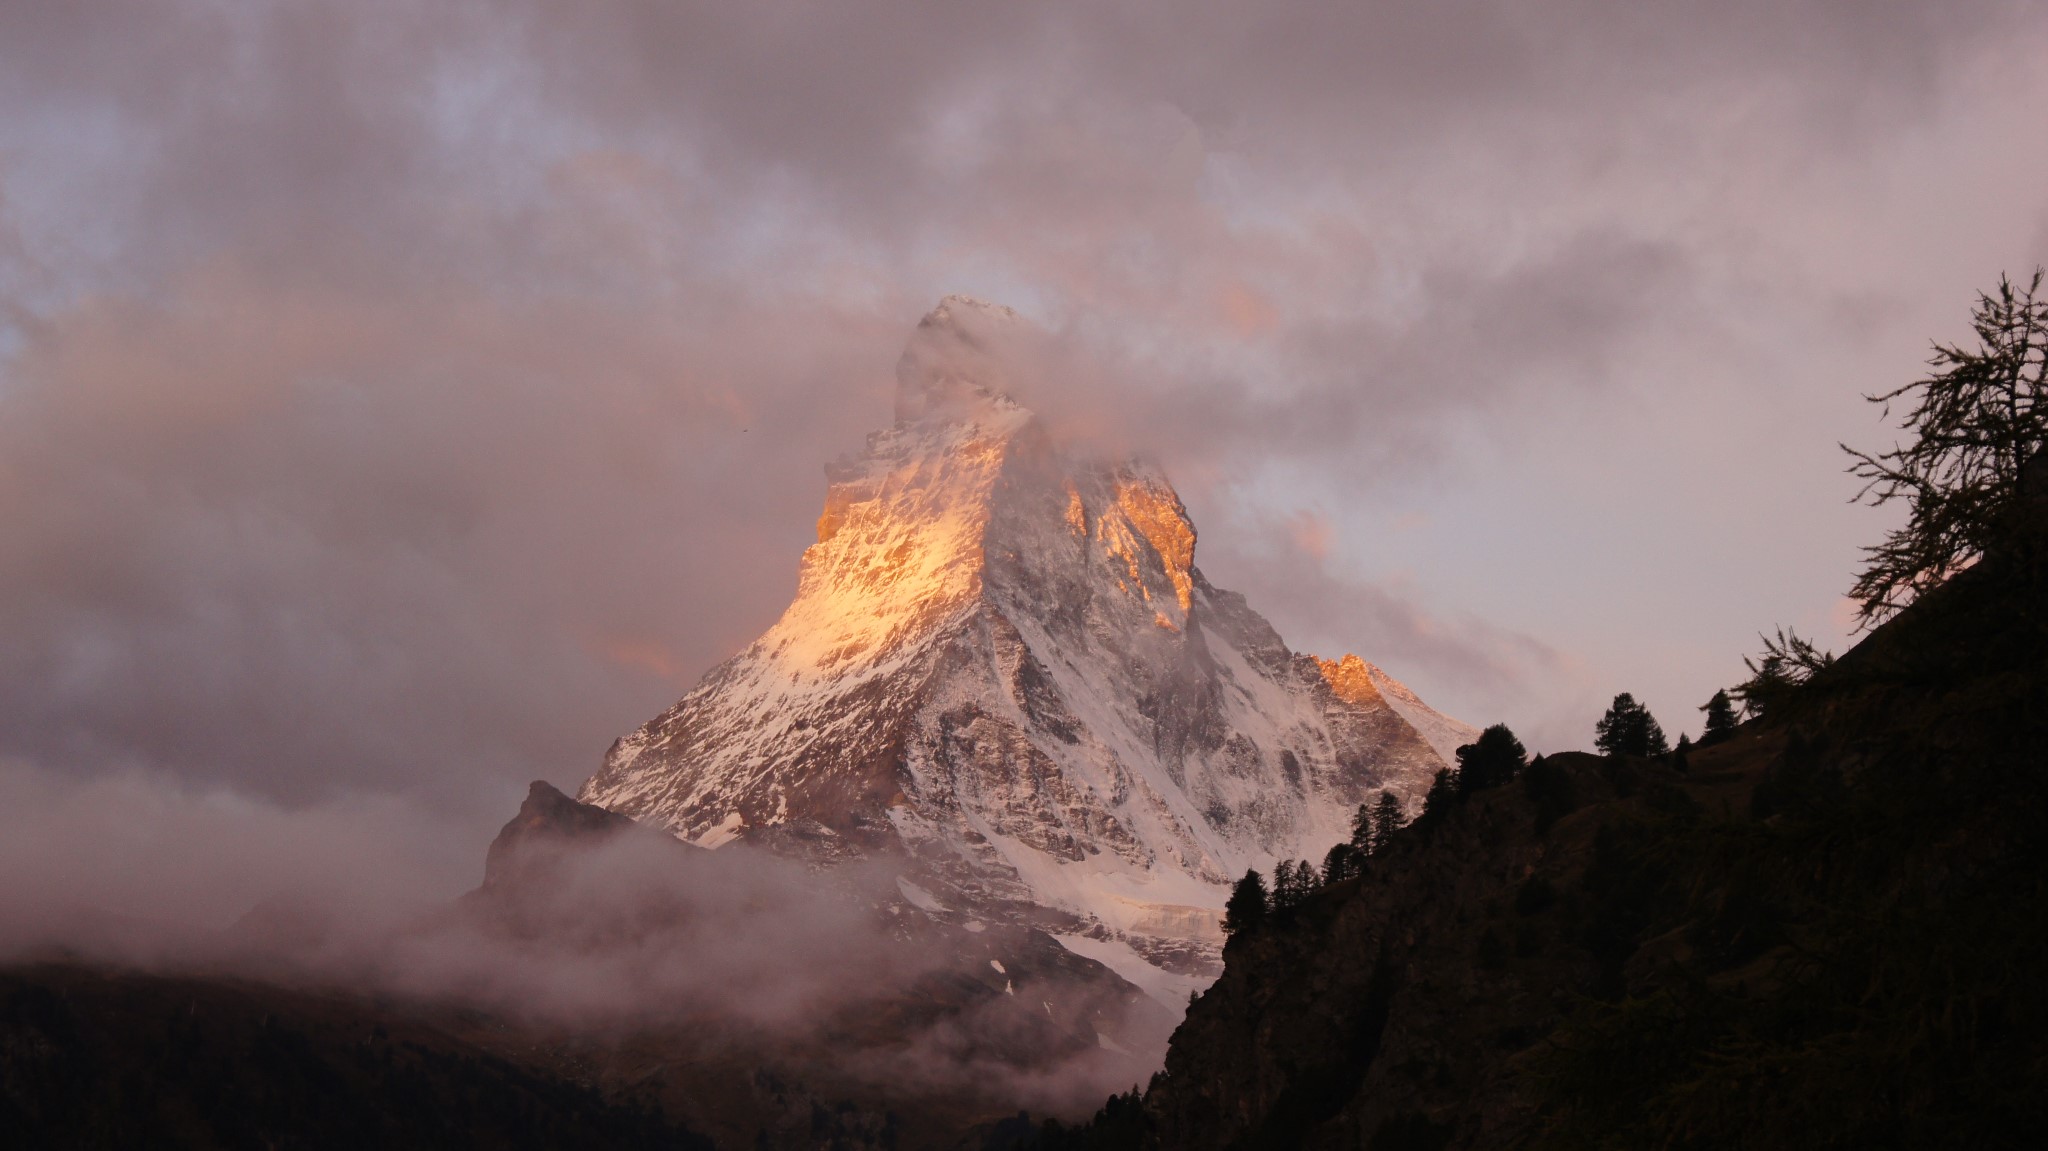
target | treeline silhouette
[{"x": 1495, "y": 759}]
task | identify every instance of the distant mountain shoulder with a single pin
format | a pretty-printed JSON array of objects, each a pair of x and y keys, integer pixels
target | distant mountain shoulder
[{"x": 548, "y": 819}]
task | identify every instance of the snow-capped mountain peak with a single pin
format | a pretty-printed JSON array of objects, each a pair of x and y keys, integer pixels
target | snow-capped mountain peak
[
  {"x": 961, "y": 355},
  {"x": 1003, "y": 670}
]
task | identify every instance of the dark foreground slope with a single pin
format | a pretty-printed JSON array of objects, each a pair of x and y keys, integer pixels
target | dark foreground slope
[
  {"x": 94, "y": 1059},
  {"x": 1828, "y": 931}
]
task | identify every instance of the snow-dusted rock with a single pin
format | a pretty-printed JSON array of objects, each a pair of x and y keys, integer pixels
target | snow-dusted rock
[{"x": 1003, "y": 667}]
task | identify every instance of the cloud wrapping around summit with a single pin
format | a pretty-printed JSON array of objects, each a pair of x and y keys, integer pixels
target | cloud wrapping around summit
[{"x": 406, "y": 398}]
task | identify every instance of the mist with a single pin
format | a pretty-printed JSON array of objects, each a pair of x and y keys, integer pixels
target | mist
[{"x": 638, "y": 937}]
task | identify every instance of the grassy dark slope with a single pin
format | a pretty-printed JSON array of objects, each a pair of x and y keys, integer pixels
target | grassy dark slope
[
  {"x": 1828, "y": 931},
  {"x": 97, "y": 1060}
]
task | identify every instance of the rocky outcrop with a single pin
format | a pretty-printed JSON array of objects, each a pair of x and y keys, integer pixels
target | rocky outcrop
[{"x": 548, "y": 820}]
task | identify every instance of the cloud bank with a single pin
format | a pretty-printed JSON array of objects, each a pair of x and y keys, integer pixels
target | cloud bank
[
  {"x": 403, "y": 399},
  {"x": 734, "y": 956}
]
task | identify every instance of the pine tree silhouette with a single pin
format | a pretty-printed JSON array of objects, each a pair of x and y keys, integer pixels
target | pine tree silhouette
[
  {"x": 1628, "y": 728},
  {"x": 1388, "y": 817},
  {"x": 1343, "y": 861},
  {"x": 1245, "y": 911},
  {"x": 1495, "y": 758},
  {"x": 1720, "y": 719}
]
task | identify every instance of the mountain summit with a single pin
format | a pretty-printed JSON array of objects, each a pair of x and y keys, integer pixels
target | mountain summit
[{"x": 1004, "y": 674}]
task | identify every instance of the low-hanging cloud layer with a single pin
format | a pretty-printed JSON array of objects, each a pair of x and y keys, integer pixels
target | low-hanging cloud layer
[
  {"x": 404, "y": 398},
  {"x": 628, "y": 937}
]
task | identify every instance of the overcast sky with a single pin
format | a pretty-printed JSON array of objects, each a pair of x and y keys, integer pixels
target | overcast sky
[{"x": 407, "y": 398}]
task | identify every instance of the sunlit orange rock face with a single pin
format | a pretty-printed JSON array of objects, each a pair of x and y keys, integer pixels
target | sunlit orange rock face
[
  {"x": 1154, "y": 512},
  {"x": 1003, "y": 674}
]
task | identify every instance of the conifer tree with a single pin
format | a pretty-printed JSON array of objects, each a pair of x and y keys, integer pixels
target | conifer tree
[
  {"x": 1343, "y": 862},
  {"x": 1766, "y": 684},
  {"x": 1628, "y": 728},
  {"x": 1979, "y": 421},
  {"x": 1787, "y": 661},
  {"x": 1245, "y": 911},
  {"x": 1720, "y": 719},
  {"x": 1293, "y": 882},
  {"x": 1442, "y": 796},
  {"x": 1388, "y": 817},
  {"x": 1361, "y": 829},
  {"x": 1283, "y": 895},
  {"x": 1495, "y": 758}
]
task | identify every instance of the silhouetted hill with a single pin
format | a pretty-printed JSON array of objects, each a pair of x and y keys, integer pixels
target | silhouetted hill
[
  {"x": 1827, "y": 931},
  {"x": 101, "y": 1060}
]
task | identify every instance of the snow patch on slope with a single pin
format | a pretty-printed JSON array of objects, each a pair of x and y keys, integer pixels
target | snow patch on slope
[
  {"x": 1445, "y": 735},
  {"x": 1168, "y": 989}
]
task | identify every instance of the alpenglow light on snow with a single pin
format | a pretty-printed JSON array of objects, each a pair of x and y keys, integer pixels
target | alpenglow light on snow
[{"x": 1003, "y": 673}]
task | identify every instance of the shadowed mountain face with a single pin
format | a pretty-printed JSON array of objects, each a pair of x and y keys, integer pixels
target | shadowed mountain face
[{"x": 1003, "y": 672}]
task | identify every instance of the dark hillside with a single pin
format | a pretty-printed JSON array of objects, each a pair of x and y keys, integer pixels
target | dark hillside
[
  {"x": 92, "y": 1059},
  {"x": 1827, "y": 931}
]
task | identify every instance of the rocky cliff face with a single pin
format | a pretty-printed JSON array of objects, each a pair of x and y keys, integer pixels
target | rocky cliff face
[{"x": 1003, "y": 667}]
